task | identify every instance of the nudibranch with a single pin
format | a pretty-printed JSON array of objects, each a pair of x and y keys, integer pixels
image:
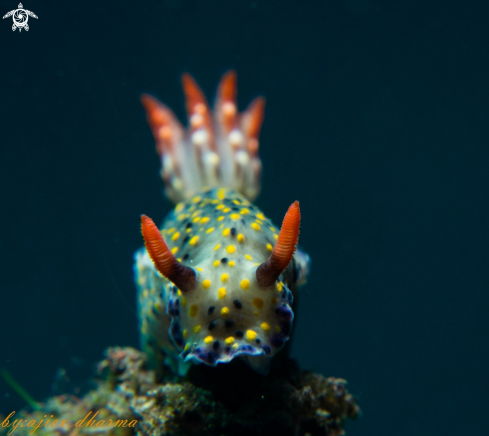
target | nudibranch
[{"x": 218, "y": 279}]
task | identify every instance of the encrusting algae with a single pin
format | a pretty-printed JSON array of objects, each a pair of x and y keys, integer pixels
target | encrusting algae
[{"x": 209, "y": 401}]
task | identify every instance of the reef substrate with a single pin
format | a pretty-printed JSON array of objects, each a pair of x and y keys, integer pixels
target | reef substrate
[{"x": 227, "y": 400}]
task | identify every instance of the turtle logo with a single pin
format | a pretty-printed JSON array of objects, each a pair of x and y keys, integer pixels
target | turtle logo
[{"x": 20, "y": 17}]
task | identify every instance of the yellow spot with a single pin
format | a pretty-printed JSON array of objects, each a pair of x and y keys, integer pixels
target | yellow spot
[
  {"x": 179, "y": 292},
  {"x": 245, "y": 284},
  {"x": 144, "y": 328},
  {"x": 179, "y": 259},
  {"x": 279, "y": 287},
  {"x": 232, "y": 263},
  {"x": 272, "y": 229},
  {"x": 185, "y": 334},
  {"x": 145, "y": 293},
  {"x": 204, "y": 220},
  {"x": 244, "y": 211},
  {"x": 179, "y": 207},
  {"x": 196, "y": 219},
  {"x": 265, "y": 326},
  {"x": 255, "y": 313},
  {"x": 194, "y": 240},
  {"x": 217, "y": 247},
  {"x": 248, "y": 257},
  {"x": 187, "y": 346},
  {"x": 208, "y": 339},
  {"x": 269, "y": 247},
  {"x": 170, "y": 231},
  {"x": 221, "y": 193},
  {"x": 274, "y": 301},
  {"x": 225, "y": 232},
  {"x": 221, "y": 293},
  {"x": 260, "y": 216},
  {"x": 158, "y": 306},
  {"x": 226, "y": 210},
  {"x": 206, "y": 284},
  {"x": 188, "y": 230},
  {"x": 250, "y": 335},
  {"x": 196, "y": 199},
  {"x": 275, "y": 236},
  {"x": 235, "y": 346},
  {"x": 240, "y": 237},
  {"x": 215, "y": 201},
  {"x": 258, "y": 303},
  {"x": 220, "y": 218},
  {"x": 184, "y": 301},
  {"x": 192, "y": 312},
  {"x": 255, "y": 226},
  {"x": 234, "y": 216},
  {"x": 224, "y": 277},
  {"x": 259, "y": 222},
  {"x": 229, "y": 340},
  {"x": 211, "y": 229},
  {"x": 196, "y": 329},
  {"x": 235, "y": 201},
  {"x": 174, "y": 250},
  {"x": 231, "y": 249},
  {"x": 221, "y": 206},
  {"x": 277, "y": 328},
  {"x": 199, "y": 269},
  {"x": 225, "y": 311},
  {"x": 216, "y": 263}
]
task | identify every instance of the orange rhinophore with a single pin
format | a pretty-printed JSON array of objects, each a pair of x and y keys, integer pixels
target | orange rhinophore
[
  {"x": 268, "y": 272},
  {"x": 182, "y": 276}
]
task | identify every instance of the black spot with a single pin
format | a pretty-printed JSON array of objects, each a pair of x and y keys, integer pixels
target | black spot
[
  {"x": 215, "y": 345},
  {"x": 257, "y": 340},
  {"x": 211, "y": 357},
  {"x": 235, "y": 208},
  {"x": 237, "y": 304},
  {"x": 212, "y": 325},
  {"x": 224, "y": 260},
  {"x": 277, "y": 340},
  {"x": 176, "y": 334},
  {"x": 238, "y": 333},
  {"x": 233, "y": 231},
  {"x": 283, "y": 312},
  {"x": 185, "y": 256},
  {"x": 266, "y": 349},
  {"x": 211, "y": 309},
  {"x": 285, "y": 327},
  {"x": 243, "y": 221},
  {"x": 185, "y": 239},
  {"x": 227, "y": 349},
  {"x": 173, "y": 312},
  {"x": 228, "y": 324},
  {"x": 188, "y": 225},
  {"x": 177, "y": 302}
]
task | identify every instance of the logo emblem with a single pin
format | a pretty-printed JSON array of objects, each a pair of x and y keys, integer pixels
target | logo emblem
[{"x": 20, "y": 17}]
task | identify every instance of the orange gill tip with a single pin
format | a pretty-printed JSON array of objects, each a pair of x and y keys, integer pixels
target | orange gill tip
[
  {"x": 256, "y": 112},
  {"x": 269, "y": 271},
  {"x": 165, "y": 262},
  {"x": 163, "y": 123},
  {"x": 194, "y": 97}
]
